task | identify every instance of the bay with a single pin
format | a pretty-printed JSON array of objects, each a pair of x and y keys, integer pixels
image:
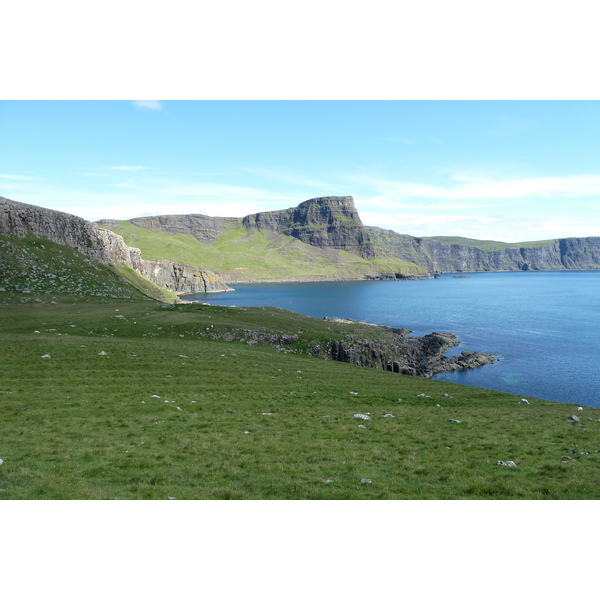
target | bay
[{"x": 543, "y": 326}]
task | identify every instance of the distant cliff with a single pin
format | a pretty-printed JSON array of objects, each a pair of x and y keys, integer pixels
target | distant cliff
[
  {"x": 102, "y": 245},
  {"x": 432, "y": 255}
]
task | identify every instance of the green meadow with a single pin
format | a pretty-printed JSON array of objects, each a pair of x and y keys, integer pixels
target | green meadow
[
  {"x": 108, "y": 393},
  {"x": 241, "y": 254}
]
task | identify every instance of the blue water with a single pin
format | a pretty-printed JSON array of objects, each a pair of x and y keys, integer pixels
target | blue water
[{"x": 544, "y": 327}]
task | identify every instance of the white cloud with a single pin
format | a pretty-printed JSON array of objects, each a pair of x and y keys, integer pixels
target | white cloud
[
  {"x": 147, "y": 104},
  {"x": 128, "y": 168}
]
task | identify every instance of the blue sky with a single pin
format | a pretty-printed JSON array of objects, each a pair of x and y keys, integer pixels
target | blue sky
[{"x": 505, "y": 170}]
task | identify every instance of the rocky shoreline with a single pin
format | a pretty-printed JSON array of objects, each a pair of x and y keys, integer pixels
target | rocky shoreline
[{"x": 418, "y": 356}]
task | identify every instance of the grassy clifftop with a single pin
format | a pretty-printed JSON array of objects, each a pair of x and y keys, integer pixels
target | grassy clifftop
[
  {"x": 242, "y": 254},
  {"x": 489, "y": 245}
]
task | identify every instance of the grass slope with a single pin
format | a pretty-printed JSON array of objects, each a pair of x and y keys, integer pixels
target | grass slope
[
  {"x": 242, "y": 255},
  {"x": 134, "y": 402}
]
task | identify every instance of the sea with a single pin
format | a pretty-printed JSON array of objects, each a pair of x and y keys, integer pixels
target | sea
[{"x": 544, "y": 327}]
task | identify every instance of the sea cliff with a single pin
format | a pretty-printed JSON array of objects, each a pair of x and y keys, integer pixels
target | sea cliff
[{"x": 102, "y": 245}]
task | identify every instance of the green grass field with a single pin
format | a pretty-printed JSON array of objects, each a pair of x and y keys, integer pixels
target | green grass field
[
  {"x": 134, "y": 403},
  {"x": 107, "y": 393}
]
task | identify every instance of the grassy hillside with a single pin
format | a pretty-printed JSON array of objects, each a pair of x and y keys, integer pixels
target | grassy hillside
[
  {"x": 36, "y": 265},
  {"x": 130, "y": 400},
  {"x": 242, "y": 255},
  {"x": 488, "y": 245}
]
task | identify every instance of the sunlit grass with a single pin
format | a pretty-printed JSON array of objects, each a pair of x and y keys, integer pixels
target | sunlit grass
[{"x": 164, "y": 412}]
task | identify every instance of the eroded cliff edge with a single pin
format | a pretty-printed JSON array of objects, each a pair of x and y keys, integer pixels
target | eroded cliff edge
[
  {"x": 332, "y": 223},
  {"x": 103, "y": 245}
]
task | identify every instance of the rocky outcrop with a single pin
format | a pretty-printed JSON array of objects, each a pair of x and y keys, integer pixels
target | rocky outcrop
[
  {"x": 181, "y": 278},
  {"x": 418, "y": 356},
  {"x": 328, "y": 222},
  {"x": 102, "y": 245}
]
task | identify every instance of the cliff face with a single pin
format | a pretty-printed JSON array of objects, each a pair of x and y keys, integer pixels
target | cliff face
[
  {"x": 328, "y": 222},
  {"x": 561, "y": 254},
  {"x": 102, "y": 245},
  {"x": 205, "y": 229}
]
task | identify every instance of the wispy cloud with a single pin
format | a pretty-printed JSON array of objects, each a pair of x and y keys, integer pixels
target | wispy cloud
[
  {"x": 128, "y": 168},
  {"x": 147, "y": 104},
  {"x": 17, "y": 177}
]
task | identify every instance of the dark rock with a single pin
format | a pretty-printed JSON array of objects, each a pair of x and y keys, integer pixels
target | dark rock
[{"x": 328, "y": 222}]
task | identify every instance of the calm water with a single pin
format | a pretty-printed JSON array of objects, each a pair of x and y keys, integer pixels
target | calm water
[{"x": 545, "y": 327}]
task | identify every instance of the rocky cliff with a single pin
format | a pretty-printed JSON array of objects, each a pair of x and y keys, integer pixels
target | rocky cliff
[
  {"x": 102, "y": 245},
  {"x": 328, "y": 222},
  {"x": 432, "y": 255},
  {"x": 333, "y": 223}
]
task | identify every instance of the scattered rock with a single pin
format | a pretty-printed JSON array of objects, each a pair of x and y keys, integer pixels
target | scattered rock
[
  {"x": 363, "y": 426},
  {"x": 448, "y": 396},
  {"x": 524, "y": 401},
  {"x": 154, "y": 396},
  {"x": 387, "y": 415},
  {"x": 46, "y": 356},
  {"x": 454, "y": 421},
  {"x": 1, "y": 461},
  {"x": 171, "y": 498},
  {"x": 365, "y": 480},
  {"x": 575, "y": 419},
  {"x": 353, "y": 393},
  {"x": 365, "y": 417},
  {"x": 580, "y": 408},
  {"x": 327, "y": 480},
  {"x": 102, "y": 353},
  {"x": 565, "y": 458},
  {"x": 506, "y": 463}
]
